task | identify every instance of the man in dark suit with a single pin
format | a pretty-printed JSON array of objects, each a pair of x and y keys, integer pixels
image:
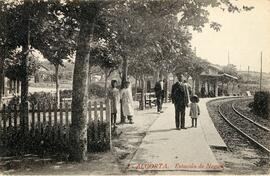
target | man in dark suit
[
  {"x": 179, "y": 97},
  {"x": 159, "y": 91}
]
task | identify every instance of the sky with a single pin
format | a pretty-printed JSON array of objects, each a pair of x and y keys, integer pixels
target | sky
[{"x": 243, "y": 36}]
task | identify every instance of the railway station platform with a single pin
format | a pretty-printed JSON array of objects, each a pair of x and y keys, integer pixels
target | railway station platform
[{"x": 168, "y": 149}]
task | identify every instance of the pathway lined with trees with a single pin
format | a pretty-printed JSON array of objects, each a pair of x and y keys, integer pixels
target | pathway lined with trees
[{"x": 136, "y": 38}]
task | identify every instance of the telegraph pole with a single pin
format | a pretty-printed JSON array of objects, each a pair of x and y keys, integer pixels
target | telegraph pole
[
  {"x": 261, "y": 75},
  {"x": 228, "y": 57},
  {"x": 248, "y": 75}
]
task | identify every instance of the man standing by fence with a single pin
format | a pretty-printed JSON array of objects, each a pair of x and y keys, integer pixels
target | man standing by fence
[{"x": 159, "y": 91}]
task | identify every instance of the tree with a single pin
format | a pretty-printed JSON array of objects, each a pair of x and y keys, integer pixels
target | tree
[
  {"x": 86, "y": 13},
  {"x": 22, "y": 18},
  {"x": 104, "y": 57},
  {"x": 57, "y": 42},
  {"x": 230, "y": 69}
]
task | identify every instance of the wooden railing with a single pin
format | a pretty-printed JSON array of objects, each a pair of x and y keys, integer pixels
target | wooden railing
[{"x": 52, "y": 122}]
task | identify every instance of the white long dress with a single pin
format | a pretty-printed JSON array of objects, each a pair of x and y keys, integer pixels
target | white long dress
[{"x": 127, "y": 102}]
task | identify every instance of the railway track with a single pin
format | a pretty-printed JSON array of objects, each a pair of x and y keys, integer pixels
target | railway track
[{"x": 255, "y": 132}]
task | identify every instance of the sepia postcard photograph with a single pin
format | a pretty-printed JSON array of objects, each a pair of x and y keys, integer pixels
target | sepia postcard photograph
[{"x": 134, "y": 87}]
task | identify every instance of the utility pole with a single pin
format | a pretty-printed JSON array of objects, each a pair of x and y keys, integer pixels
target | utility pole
[
  {"x": 248, "y": 75},
  {"x": 228, "y": 57},
  {"x": 261, "y": 75}
]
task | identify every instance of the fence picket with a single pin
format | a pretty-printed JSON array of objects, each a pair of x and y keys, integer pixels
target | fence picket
[
  {"x": 9, "y": 115},
  {"x": 15, "y": 116},
  {"x": 55, "y": 114},
  {"x": 38, "y": 117},
  {"x": 101, "y": 111},
  {"x": 44, "y": 113},
  {"x": 66, "y": 114},
  {"x": 1, "y": 118},
  {"x": 109, "y": 122},
  {"x": 95, "y": 112},
  {"x": 96, "y": 123},
  {"x": 50, "y": 115},
  {"x": 55, "y": 121},
  {"x": 33, "y": 118},
  {"x": 61, "y": 120},
  {"x": 89, "y": 112},
  {"x": 67, "y": 121},
  {"x": 4, "y": 119}
]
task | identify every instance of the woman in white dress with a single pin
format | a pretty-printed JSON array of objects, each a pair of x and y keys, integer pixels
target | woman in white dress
[{"x": 127, "y": 102}]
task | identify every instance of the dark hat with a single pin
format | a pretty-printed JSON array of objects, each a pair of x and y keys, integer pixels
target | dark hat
[{"x": 194, "y": 99}]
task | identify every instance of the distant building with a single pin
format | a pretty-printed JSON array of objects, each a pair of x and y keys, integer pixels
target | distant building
[
  {"x": 10, "y": 87},
  {"x": 214, "y": 82}
]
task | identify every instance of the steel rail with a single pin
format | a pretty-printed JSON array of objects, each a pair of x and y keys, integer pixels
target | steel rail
[
  {"x": 252, "y": 121},
  {"x": 242, "y": 132}
]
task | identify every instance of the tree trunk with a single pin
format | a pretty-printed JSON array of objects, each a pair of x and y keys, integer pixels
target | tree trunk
[
  {"x": 157, "y": 75},
  {"x": 89, "y": 75},
  {"x": 57, "y": 97},
  {"x": 106, "y": 82},
  {"x": 79, "y": 113},
  {"x": 125, "y": 70},
  {"x": 136, "y": 86},
  {"x": 124, "y": 79},
  {"x": 197, "y": 84},
  {"x": 166, "y": 87},
  {"x": 24, "y": 83},
  {"x": 142, "y": 104}
]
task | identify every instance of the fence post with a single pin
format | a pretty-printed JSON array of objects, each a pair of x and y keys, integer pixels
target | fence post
[
  {"x": 9, "y": 118},
  {"x": 38, "y": 118},
  {"x": 15, "y": 116},
  {"x": 66, "y": 114},
  {"x": 44, "y": 113},
  {"x": 89, "y": 112},
  {"x": 1, "y": 117},
  {"x": 4, "y": 119},
  {"x": 96, "y": 125},
  {"x": 61, "y": 119},
  {"x": 67, "y": 121},
  {"x": 50, "y": 118},
  {"x": 55, "y": 121},
  {"x": 33, "y": 118},
  {"x": 101, "y": 111},
  {"x": 108, "y": 120}
]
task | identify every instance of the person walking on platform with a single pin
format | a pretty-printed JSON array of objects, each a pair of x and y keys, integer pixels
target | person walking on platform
[
  {"x": 127, "y": 102},
  {"x": 179, "y": 97},
  {"x": 194, "y": 110},
  {"x": 159, "y": 91}
]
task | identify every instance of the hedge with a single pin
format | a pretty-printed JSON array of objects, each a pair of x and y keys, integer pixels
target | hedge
[{"x": 261, "y": 105}]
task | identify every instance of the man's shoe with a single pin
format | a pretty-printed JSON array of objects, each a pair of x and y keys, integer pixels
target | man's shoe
[
  {"x": 178, "y": 129},
  {"x": 131, "y": 122},
  {"x": 161, "y": 111},
  {"x": 184, "y": 128}
]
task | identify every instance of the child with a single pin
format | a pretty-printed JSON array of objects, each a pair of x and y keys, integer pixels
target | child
[
  {"x": 114, "y": 96},
  {"x": 194, "y": 110}
]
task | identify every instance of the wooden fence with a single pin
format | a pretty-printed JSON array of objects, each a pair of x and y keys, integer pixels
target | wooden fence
[{"x": 51, "y": 124}]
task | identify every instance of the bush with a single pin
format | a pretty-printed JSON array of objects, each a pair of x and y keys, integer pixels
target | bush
[
  {"x": 96, "y": 90},
  {"x": 261, "y": 105},
  {"x": 41, "y": 98}
]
